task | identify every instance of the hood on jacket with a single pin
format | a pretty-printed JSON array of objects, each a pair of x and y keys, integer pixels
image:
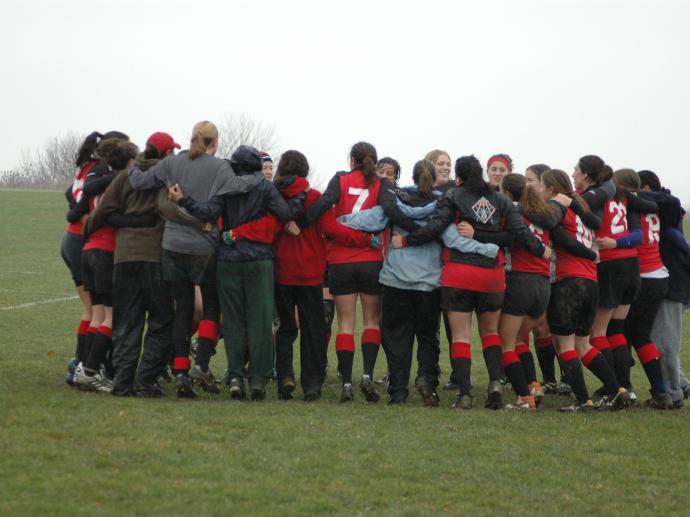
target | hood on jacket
[
  {"x": 246, "y": 160},
  {"x": 291, "y": 186}
]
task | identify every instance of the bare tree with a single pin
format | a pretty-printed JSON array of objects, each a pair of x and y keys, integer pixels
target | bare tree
[
  {"x": 237, "y": 129},
  {"x": 50, "y": 166}
]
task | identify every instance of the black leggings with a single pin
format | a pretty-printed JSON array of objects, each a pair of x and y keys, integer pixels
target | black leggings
[{"x": 643, "y": 311}]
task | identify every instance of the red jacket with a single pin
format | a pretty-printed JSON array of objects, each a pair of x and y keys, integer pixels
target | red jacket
[{"x": 301, "y": 260}]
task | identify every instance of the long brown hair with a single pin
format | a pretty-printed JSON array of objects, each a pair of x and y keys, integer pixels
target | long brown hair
[
  {"x": 203, "y": 135},
  {"x": 530, "y": 200},
  {"x": 424, "y": 176},
  {"x": 627, "y": 179},
  {"x": 559, "y": 182},
  {"x": 364, "y": 158}
]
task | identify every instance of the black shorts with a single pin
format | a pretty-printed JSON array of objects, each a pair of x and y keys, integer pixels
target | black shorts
[
  {"x": 181, "y": 267},
  {"x": 572, "y": 306},
  {"x": 70, "y": 249},
  {"x": 354, "y": 277},
  {"x": 464, "y": 300},
  {"x": 619, "y": 282},
  {"x": 527, "y": 294},
  {"x": 97, "y": 273}
]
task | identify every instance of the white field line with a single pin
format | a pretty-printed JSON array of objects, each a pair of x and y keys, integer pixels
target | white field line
[{"x": 39, "y": 302}]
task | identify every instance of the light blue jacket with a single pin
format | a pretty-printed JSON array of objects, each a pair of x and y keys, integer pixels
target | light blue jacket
[{"x": 417, "y": 268}]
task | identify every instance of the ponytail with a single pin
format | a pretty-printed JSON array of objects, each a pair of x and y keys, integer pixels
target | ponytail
[
  {"x": 364, "y": 158},
  {"x": 559, "y": 182},
  {"x": 470, "y": 171},
  {"x": 515, "y": 185},
  {"x": 203, "y": 136},
  {"x": 87, "y": 148},
  {"x": 424, "y": 176}
]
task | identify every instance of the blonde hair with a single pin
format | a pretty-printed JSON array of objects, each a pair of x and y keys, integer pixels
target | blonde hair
[
  {"x": 203, "y": 136},
  {"x": 432, "y": 156}
]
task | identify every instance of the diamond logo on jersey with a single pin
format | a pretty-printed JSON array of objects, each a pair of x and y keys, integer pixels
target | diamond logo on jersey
[{"x": 483, "y": 210}]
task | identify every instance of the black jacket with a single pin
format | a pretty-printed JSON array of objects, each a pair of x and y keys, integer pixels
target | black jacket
[{"x": 492, "y": 215}]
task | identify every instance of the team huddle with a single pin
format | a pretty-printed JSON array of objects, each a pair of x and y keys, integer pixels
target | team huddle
[{"x": 163, "y": 247}]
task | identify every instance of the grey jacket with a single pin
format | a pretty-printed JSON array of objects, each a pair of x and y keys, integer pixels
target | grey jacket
[{"x": 203, "y": 178}]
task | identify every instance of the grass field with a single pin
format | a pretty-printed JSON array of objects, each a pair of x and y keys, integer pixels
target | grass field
[{"x": 67, "y": 452}]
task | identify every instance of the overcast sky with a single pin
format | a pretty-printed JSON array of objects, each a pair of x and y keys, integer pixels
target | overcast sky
[{"x": 544, "y": 81}]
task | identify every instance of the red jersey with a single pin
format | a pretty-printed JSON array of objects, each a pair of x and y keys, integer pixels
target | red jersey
[
  {"x": 614, "y": 224},
  {"x": 522, "y": 261},
  {"x": 648, "y": 251},
  {"x": 355, "y": 195},
  {"x": 568, "y": 265},
  {"x": 104, "y": 237},
  {"x": 77, "y": 186}
]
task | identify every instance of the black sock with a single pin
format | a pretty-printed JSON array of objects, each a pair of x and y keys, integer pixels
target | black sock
[
  {"x": 546, "y": 354},
  {"x": 620, "y": 351},
  {"x": 527, "y": 360},
  {"x": 102, "y": 343},
  {"x": 461, "y": 363},
  {"x": 88, "y": 344},
  {"x": 649, "y": 357},
  {"x": 345, "y": 350},
  {"x": 573, "y": 368},
  {"x": 515, "y": 373},
  {"x": 493, "y": 356},
  {"x": 601, "y": 343},
  {"x": 371, "y": 342},
  {"x": 599, "y": 366}
]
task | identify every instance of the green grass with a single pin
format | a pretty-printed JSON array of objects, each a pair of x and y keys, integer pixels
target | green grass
[{"x": 67, "y": 452}]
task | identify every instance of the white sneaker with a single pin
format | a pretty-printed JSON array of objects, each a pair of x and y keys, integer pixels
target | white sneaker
[{"x": 95, "y": 382}]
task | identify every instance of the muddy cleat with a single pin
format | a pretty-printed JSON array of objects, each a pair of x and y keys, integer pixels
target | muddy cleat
[
  {"x": 523, "y": 404},
  {"x": 95, "y": 382},
  {"x": 578, "y": 408},
  {"x": 285, "y": 389},
  {"x": 258, "y": 393},
  {"x": 149, "y": 391},
  {"x": 183, "y": 387},
  {"x": 463, "y": 402},
  {"x": 429, "y": 395},
  {"x": 536, "y": 391},
  {"x": 494, "y": 395},
  {"x": 550, "y": 387},
  {"x": 564, "y": 388},
  {"x": 660, "y": 401},
  {"x": 368, "y": 388},
  {"x": 383, "y": 381},
  {"x": 71, "y": 366},
  {"x": 237, "y": 391},
  {"x": 205, "y": 379},
  {"x": 620, "y": 400},
  {"x": 346, "y": 393}
]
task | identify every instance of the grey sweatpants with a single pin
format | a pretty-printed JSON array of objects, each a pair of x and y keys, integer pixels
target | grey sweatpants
[{"x": 667, "y": 334}]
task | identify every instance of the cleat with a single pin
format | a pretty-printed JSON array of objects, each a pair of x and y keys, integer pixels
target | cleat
[
  {"x": 165, "y": 378},
  {"x": 504, "y": 381},
  {"x": 463, "y": 401},
  {"x": 578, "y": 408},
  {"x": 346, "y": 393},
  {"x": 384, "y": 379},
  {"x": 71, "y": 366},
  {"x": 660, "y": 401},
  {"x": 550, "y": 387},
  {"x": 563, "y": 388},
  {"x": 523, "y": 404},
  {"x": 494, "y": 395},
  {"x": 287, "y": 386},
  {"x": 149, "y": 391},
  {"x": 686, "y": 391},
  {"x": 205, "y": 379},
  {"x": 237, "y": 392},
  {"x": 598, "y": 394},
  {"x": 621, "y": 400},
  {"x": 183, "y": 387},
  {"x": 312, "y": 396},
  {"x": 95, "y": 382},
  {"x": 396, "y": 400},
  {"x": 429, "y": 395},
  {"x": 536, "y": 391},
  {"x": 450, "y": 386},
  {"x": 368, "y": 388},
  {"x": 678, "y": 404},
  {"x": 258, "y": 393}
]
